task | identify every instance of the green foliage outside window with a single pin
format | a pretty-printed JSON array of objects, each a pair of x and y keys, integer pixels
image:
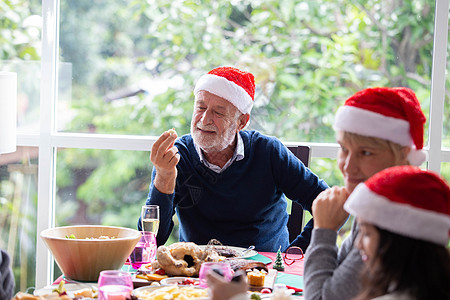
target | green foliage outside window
[{"x": 134, "y": 65}]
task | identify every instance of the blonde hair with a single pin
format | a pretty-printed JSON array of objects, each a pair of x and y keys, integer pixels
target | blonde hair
[{"x": 395, "y": 148}]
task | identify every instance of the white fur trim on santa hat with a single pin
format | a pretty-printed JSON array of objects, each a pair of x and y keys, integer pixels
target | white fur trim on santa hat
[
  {"x": 368, "y": 123},
  {"x": 399, "y": 218},
  {"x": 417, "y": 157},
  {"x": 226, "y": 89}
]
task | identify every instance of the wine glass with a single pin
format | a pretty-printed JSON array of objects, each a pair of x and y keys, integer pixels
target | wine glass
[
  {"x": 222, "y": 268},
  {"x": 145, "y": 250},
  {"x": 115, "y": 285},
  {"x": 150, "y": 218}
]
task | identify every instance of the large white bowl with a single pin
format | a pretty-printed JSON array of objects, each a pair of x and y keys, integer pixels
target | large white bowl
[{"x": 83, "y": 259}]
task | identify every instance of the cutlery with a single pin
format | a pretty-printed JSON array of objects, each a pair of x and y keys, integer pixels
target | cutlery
[{"x": 247, "y": 250}]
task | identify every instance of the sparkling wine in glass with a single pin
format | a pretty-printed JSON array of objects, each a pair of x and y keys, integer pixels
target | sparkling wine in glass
[
  {"x": 150, "y": 218},
  {"x": 114, "y": 285}
]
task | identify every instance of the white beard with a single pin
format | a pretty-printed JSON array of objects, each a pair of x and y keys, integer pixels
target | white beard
[{"x": 214, "y": 143}]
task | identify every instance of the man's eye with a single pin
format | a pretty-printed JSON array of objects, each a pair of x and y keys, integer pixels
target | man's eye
[{"x": 366, "y": 153}]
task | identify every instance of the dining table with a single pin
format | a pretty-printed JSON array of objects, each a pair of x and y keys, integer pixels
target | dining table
[{"x": 291, "y": 276}]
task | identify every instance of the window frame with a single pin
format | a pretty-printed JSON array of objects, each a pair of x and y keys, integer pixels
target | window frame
[{"x": 48, "y": 139}]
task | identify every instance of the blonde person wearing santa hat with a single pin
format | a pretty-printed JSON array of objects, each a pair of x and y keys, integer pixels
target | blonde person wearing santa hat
[
  {"x": 224, "y": 182},
  {"x": 376, "y": 128},
  {"x": 403, "y": 214}
]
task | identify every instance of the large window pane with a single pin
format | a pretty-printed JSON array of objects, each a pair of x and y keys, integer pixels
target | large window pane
[
  {"x": 445, "y": 171},
  {"x": 20, "y": 34},
  {"x": 101, "y": 186},
  {"x": 446, "y": 129},
  {"x": 308, "y": 57},
  {"x": 18, "y": 196}
]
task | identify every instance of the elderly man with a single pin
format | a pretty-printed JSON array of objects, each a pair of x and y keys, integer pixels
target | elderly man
[{"x": 224, "y": 182}]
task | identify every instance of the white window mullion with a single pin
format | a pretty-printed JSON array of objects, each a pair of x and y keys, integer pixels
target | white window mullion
[
  {"x": 438, "y": 85},
  {"x": 49, "y": 82}
]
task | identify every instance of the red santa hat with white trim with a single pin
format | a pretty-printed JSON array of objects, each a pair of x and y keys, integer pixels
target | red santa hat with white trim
[
  {"x": 405, "y": 200},
  {"x": 393, "y": 114},
  {"x": 234, "y": 85}
]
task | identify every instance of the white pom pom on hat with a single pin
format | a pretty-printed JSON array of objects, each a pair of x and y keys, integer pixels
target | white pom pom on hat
[
  {"x": 405, "y": 200},
  {"x": 234, "y": 85},
  {"x": 393, "y": 114}
]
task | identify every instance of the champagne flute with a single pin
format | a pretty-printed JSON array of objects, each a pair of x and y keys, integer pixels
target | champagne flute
[
  {"x": 150, "y": 218},
  {"x": 115, "y": 285}
]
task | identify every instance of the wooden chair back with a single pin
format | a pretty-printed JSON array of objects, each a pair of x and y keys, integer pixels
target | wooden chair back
[{"x": 295, "y": 221}]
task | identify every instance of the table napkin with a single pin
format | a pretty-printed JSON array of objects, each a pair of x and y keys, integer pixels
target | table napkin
[{"x": 261, "y": 258}]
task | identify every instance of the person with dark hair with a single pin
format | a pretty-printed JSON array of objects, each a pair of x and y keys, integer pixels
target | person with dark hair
[
  {"x": 376, "y": 128},
  {"x": 6, "y": 277},
  {"x": 404, "y": 217},
  {"x": 225, "y": 182}
]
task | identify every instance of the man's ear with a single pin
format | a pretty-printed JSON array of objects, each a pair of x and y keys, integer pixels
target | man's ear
[{"x": 243, "y": 120}]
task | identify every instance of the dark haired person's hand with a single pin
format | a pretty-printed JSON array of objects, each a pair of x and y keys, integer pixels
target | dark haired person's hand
[{"x": 220, "y": 289}]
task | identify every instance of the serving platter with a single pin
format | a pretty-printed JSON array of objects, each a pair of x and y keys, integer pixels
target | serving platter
[
  {"x": 71, "y": 288},
  {"x": 141, "y": 291},
  {"x": 247, "y": 254}
]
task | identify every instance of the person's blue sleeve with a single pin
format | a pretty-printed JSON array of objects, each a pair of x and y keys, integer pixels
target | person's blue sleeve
[
  {"x": 166, "y": 211},
  {"x": 304, "y": 238}
]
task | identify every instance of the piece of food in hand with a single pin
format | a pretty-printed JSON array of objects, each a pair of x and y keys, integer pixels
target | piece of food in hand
[
  {"x": 172, "y": 131},
  {"x": 256, "y": 277}
]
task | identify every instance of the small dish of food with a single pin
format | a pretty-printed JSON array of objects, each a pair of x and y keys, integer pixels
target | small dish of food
[
  {"x": 180, "y": 281},
  {"x": 170, "y": 292}
]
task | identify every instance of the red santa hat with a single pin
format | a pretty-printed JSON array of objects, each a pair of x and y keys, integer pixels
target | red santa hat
[
  {"x": 234, "y": 85},
  {"x": 405, "y": 200},
  {"x": 393, "y": 114}
]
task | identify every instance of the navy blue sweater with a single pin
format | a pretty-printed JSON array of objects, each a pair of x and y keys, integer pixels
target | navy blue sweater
[{"x": 245, "y": 204}]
